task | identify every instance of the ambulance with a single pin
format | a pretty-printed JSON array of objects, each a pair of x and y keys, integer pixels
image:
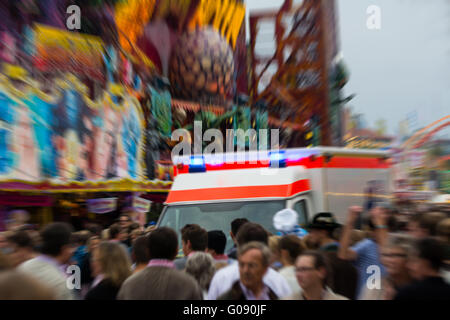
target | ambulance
[{"x": 213, "y": 190}]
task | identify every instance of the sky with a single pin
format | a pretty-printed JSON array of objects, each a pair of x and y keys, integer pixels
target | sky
[{"x": 400, "y": 71}]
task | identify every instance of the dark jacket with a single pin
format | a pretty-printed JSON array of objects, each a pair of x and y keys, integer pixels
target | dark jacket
[
  {"x": 432, "y": 288},
  {"x": 160, "y": 283},
  {"x": 86, "y": 273},
  {"x": 232, "y": 253},
  {"x": 105, "y": 290},
  {"x": 344, "y": 276},
  {"x": 236, "y": 293}
]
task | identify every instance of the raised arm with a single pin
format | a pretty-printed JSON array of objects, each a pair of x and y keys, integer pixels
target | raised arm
[
  {"x": 379, "y": 219},
  {"x": 344, "y": 251}
]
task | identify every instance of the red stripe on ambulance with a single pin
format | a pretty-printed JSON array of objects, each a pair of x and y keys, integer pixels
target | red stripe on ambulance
[{"x": 244, "y": 192}]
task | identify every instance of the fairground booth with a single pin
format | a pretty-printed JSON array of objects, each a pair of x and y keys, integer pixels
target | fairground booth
[{"x": 88, "y": 107}]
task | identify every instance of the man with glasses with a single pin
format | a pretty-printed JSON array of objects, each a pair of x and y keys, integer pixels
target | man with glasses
[
  {"x": 313, "y": 276},
  {"x": 226, "y": 277},
  {"x": 124, "y": 221},
  {"x": 254, "y": 261},
  {"x": 394, "y": 257}
]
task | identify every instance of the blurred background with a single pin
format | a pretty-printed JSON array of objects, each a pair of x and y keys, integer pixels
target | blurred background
[{"x": 91, "y": 91}]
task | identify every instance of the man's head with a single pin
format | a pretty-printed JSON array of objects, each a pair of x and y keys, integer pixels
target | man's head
[
  {"x": 394, "y": 255},
  {"x": 312, "y": 270},
  {"x": 57, "y": 241},
  {"x": 123, "y": 235},
  {"x": 431, "y": 220},
  {"x": 252, "y": 232},
  {"x": 134, "y": 226},
  {"x": 423, "y": 225},
  {"x": 114, "y": 231},
  {"x": 427, "y": 258},
  {"x": 162, "y": 244},
  {"x": 290, "y": 247},
  {"x": 217, "y": 242},
  {"x": 254, "y": 261},
  {"x": 94, "y": 229},
  {"x": 136, "y": 234},
  {"x": 236, "y": 224},
  {"x": 140, "y": 250},
  {"x": 17, "y": 218},
  {"x": 22, "y": 247},
  {"x": 321, "y": 228},
  {"x": 93, "y": 243},
  {"x": 124, "y": 220},
  {"x": 414, "y": 229},
  {"x": 193, "y": 238},
  {"x": 82, "y": 237}
]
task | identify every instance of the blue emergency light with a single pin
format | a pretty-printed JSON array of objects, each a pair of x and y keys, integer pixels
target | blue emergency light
[
  {"x": 277, "y": 159},
  {"x": 197, "y": 164}
]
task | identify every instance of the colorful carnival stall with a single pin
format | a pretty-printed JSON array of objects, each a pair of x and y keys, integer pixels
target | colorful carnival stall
[{"x": 68, "y": 134}]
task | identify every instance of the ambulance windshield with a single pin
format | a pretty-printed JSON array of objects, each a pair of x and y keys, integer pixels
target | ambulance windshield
[{"x": 218, "y": 216}]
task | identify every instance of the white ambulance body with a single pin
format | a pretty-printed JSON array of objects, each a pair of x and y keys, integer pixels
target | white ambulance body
[{"x": 214, "y": 190}]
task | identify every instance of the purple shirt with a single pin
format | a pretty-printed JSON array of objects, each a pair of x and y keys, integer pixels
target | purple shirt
[
  {"x": 250, "y": 296},
  {"x": 161, "y": 263}
]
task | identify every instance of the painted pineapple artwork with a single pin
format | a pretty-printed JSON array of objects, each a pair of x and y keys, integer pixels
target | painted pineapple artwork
[{"x": 202, "y": 66}]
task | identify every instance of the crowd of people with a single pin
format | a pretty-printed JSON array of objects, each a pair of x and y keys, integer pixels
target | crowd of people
[{"x": 331, "y": 262}]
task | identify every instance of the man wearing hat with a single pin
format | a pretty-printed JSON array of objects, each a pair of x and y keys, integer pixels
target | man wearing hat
[
  {"x": 345, "y": 276},
  {"x": 321, "y": 231}
]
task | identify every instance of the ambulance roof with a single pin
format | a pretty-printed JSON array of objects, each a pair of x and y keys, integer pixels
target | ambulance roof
[{"x": 293, "y": 154}]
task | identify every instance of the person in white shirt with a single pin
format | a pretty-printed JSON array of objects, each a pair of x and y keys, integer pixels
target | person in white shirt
[
  {"x": 49, "y": 266},
  {"x": 224, "y": 279}
]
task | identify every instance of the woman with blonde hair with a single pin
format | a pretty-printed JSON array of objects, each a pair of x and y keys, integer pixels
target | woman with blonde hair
[
  {"x": 111, "y": 265},
  {"x": 274, "y": 248}
]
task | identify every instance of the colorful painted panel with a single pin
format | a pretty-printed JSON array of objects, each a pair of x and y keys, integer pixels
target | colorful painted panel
[{"x": 64, "y": 136}]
